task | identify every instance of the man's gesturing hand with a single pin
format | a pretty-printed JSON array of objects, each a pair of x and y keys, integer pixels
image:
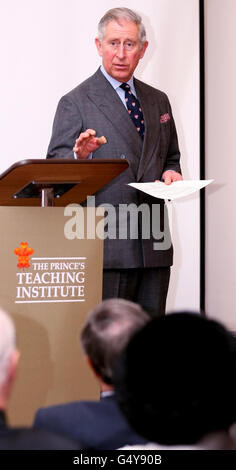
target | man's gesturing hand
[{"x": 87, "y": 143}]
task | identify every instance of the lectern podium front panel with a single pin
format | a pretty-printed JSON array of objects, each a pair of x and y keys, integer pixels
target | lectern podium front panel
[{"x": 49, "y": 281}]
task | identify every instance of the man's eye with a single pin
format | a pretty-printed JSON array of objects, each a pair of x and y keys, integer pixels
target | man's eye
[{"x": 129, "y": 45}]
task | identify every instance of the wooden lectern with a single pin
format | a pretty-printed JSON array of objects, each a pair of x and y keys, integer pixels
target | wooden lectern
[
  {"x": 56, "y": 182},
  {"x": 50, "y": 281}
]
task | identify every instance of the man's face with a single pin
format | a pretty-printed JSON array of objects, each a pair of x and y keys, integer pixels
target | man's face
[{"x": 120, "y": 49}]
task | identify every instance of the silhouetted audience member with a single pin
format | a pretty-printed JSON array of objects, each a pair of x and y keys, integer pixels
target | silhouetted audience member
[
  {"x": 19, "y": 438},
  {"x": 100, "y": 424},
  {"x": 176, "y": 383}
]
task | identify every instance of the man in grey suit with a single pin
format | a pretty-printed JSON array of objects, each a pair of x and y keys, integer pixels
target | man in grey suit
[{"x": 136, "y": 266}]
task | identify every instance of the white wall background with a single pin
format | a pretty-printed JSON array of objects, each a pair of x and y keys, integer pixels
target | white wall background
[
  {"x": 220, "y": 22},
  {"x": 47, "y": 48}
]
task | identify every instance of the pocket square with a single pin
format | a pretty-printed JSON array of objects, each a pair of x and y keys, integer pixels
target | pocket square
[{"x": 164, "y": 118}]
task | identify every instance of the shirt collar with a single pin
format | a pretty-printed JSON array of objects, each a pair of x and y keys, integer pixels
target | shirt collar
[
  {"x": 115, "y": 83},
  {"x": 108, "y": 393}
]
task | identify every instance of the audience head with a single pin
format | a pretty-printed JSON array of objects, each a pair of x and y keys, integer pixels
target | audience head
[
  {"x": 176, "y": 380},
  {"x": 8, "y": 357},
  {"x": 106, "y": 332}
]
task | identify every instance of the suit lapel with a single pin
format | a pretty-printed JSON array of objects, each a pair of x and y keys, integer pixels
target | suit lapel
[
  {"x": 109, "y": 103},
  {"x": 152, "y": 126}
]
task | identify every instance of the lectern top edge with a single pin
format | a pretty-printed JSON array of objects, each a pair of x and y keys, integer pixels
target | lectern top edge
[
  {"x": 61, "y": 180},
  {"x": 65, "y": 161}
]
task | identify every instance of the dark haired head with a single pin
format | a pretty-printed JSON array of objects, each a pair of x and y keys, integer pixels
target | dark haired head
[{"x": 176, "y": 380}]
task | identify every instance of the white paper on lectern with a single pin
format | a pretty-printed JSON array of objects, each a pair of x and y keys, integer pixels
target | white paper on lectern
[{"x": 172, "y": 191}]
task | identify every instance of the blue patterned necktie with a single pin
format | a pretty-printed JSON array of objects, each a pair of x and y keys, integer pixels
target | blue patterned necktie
[{"x": 134, "y": 109}]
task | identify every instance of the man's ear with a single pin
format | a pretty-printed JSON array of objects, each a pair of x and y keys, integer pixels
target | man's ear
[
  {"x": 99, "y": 46},
  {"x": 143, "y": 49}
]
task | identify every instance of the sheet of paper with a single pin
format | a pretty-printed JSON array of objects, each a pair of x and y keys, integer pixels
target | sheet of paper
[{"x": 174, "y": 190}]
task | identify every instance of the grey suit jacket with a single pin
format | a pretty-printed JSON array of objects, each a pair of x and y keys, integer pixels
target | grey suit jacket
[{"x": 95, "y": 104}]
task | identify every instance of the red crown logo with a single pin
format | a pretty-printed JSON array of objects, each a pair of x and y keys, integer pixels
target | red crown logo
[{"x": 23, "y": 252}]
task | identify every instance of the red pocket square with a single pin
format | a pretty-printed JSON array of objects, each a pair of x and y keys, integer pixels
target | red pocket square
[{"x": 164, "y": 118}]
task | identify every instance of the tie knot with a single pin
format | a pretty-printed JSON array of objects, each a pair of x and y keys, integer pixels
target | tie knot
[{"x": 125, "y": 86}]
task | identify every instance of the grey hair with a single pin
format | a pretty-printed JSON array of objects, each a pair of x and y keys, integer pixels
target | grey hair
[
  {"x": 116, "y": 14},
  {"x": 106, "y": 332},
  {"x": 7, "y": 344}
]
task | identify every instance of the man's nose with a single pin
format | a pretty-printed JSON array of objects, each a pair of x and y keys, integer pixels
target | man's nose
[{"x": 120, "y": 51}]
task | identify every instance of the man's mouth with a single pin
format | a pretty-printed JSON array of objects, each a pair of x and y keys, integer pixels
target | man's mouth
[{"x": 122, "y": 66}]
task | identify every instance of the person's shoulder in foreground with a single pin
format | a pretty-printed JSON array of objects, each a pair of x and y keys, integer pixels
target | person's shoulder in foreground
[
  {"x": 94, "y": 424},
  {"x": 34, "y": 439}
]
